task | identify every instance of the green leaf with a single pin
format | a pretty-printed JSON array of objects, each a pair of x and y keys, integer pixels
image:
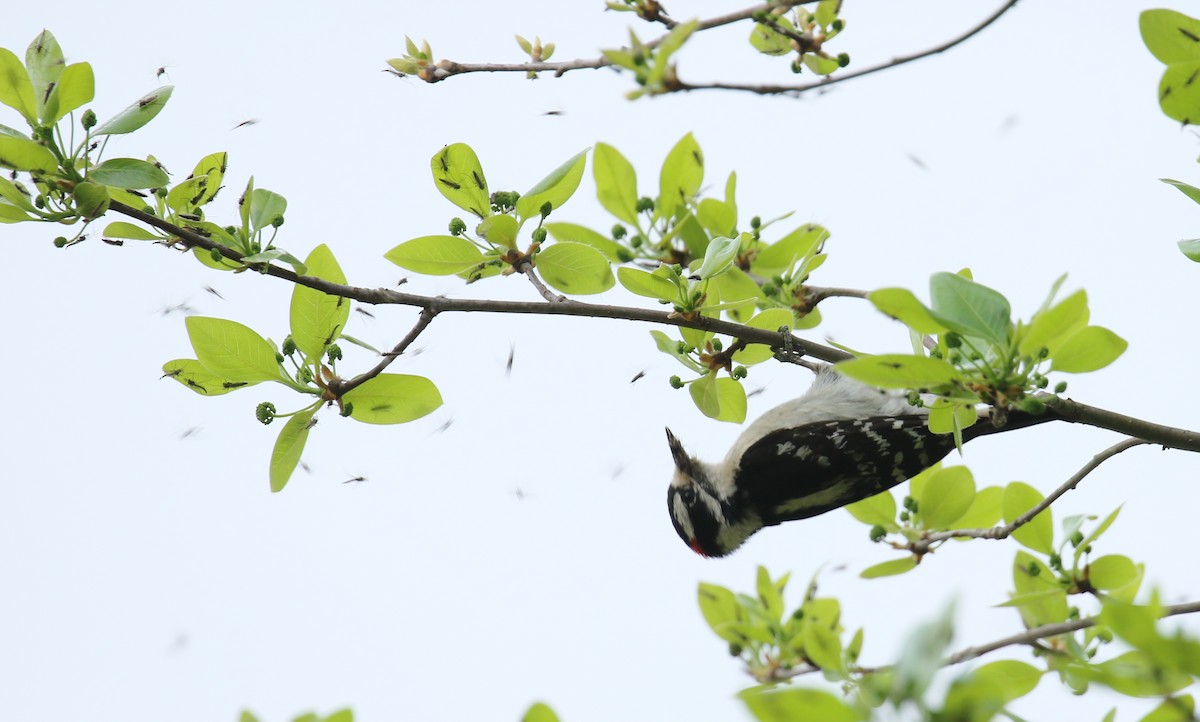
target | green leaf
[
  {"x": 1100, "y": 529},
  {"x": 946, "y": 496},
  {"x": 317, "y": 318},
  {"x": 797, "y": 704},
  {"x": 76, "y": 86},
  {"x": 436, "y": 255},
  {"x": 192, "y": 374},
  {"x": 25, "y": 155},
  {"x": 899, "y": 371},
  {"x": 1136, "y": 674},
  {"x": 768, "y": 41},
  {"x": 288, "y": 448},
  {"x": 1190, "y": 191},
  {"x": 1190, "y": 248},
  {"x": 265, "y": 207},
  {"x": 986, "y": 690},
  {"x": 889, "y": 568},
  {"x": 573, "y": 233},
  {"x": 393, "y": 399},
  {"x": 1170, "y": 36},
  {"x": 459, "y": 177},
  {"x": 136, "y": 115},
  {"x": 771, "y": 319},
  {"x": 781, "y": 255},
  {"x": 921, "y": 656},
  {"x": 1174, "y": 709},
  {"x": 128, "y": 173},
  {"x": 681, "y": 176},
  {"x": 720, "y": 609},
  {"x": 1041, "y": 599},
  {"x": 616, "y": 183},
  {"x": 733, "y": 400},
  {"x": 770, "y": 595},
  {"x": 1048, "y": 328},
  {"x": 12, "y": 214},
  {"x": 16, "y": 90},
  {"x": 718, "y": 258},
  {"x": 554, "y": 189},
  {"x": 670, "y": 346},
  {"x": 499, "y": 230},
  {"x": 902, "y": 305},
  {"x": 1112, "y": 571},
  {"x": 647, "y": 284},
  {"x": 121, "y": 229},
  {"x": 539, "y": 712},
  {"x": 12, "y": 194},
  {"x": 44, "y": 58},
  {"x": 985, "y": 509},
  {"x": 823, "y": 647},
  {"x": 575, "y": 268},
  {"x": 1089, "y": 349},
  {"x": 1038, "y": 534},
  {"x": 91, "y": 200},
  {"x": 970, "y": 308},
  {"x": 878, "y": 510},
  {"x": 231, "y": 350},
  {"x": 739, "y": 294},
  {"x": 717, "y": 217},
  {"x": 1178, "y": 93},
  {"x": 705, "y": 396}
]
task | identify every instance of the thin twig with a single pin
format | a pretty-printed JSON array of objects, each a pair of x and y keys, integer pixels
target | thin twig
[
  {"x": 343, "y": 387},
  {"x": 527, "y": 269},
  {"x": 1003, "y": 532},
  {"x": 816, "y": 294},
  {"x": 796, "y": 90},
  {"x": 1175, "y": 438}
]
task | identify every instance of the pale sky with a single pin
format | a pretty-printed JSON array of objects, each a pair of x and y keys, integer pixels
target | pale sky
[{"x": 524, "y": 552}]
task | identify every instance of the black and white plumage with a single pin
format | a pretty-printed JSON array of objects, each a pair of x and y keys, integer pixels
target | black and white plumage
[{"x": 837, "y": 444}]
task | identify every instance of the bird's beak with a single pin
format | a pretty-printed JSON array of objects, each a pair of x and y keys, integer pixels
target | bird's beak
[{"x": 683, "y": 462}]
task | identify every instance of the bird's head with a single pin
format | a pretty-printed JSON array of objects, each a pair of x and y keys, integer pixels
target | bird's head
[{"x": 698, "y": 499}]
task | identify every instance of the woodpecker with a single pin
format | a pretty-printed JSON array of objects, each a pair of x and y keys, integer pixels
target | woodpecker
[{"x": 838, "y": 443}]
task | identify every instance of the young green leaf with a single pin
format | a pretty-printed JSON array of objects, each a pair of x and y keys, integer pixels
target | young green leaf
[
  {"x": 681, "y": 176},
  {"x": 317, "y": 319},
  {"x": 889, "y": 568},
  {"x": 797, "y": 704},
  {"x": 771, "y": 319},
  {"x": 128, "y": 173},
  {"x": 900, "y": 371},
  {"x": 193, "y": 375},
  {"x": 902, "y": 305},
  {"x": 436, "y": 255},
  {"x": 539, "y": 712},
  {"x": 1100, "y": 529},
  {"x": 650, "y": 285},
  {"x": 265, "y": 207},
  {"x": 781, "y": 255},
  {"x": 1048, "y": 328},
  {"x": 25, "y": 155},
  {"x": 1090, "y": 349},
  {"x": 1042, "y": 599},
  {"x": 946, "y": 496},
  {"x": 16, "y": 90},
  {"x": 739, "y": 295},
  {"x": 554, "y": 189},
  {"x": 719, "y": 607},
  {"x": 616, "y": 183},
  {"x": 136, "y": 115},
  {"x": 76, "y": 86},
  {"x": 705, "y": 396},
  {"x": 970, "y": 308},
  {"x": 499, "y": 230},
  {"x": 878, "y": 510},
  {"x": 575, "y": 268},
  {"x": 44, "y": 59},
  {"x": 288, "y": 448},
  {"x": 1188, "y": 190},
  {"x": 393, "y": 399},
  {"x": 718, "y": 258},
  {"x": 459, "y": 177},
  {"x": 1038, "y": 533},
  {"x": 717, "y": 217},
  {"x": 12, "y": 194},
  {"x": 574, "y": 233},
  {"x": 985, "y": 509},
  {"x": 824, "y": 648},
  {"x": 1190, "y": 248},
  {"x": 1111, "y": 571},
  {"x": 231, "y": 350}
]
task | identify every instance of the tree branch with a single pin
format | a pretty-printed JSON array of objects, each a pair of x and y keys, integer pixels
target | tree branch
[
  {"x": 796, "y": 90},
  {"x": 340, "y": 388},
  {"x": 1003, "y": 532},
  {"x": 1069, "y": 410}
]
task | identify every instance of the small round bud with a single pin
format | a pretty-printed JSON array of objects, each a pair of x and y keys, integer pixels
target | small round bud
[
  {"x": 457, "y": 226},
  {"x": 215, "y": 254},
  {"x": 735, "y": 649},
  {"x": 843, "y": 60},
  {"x": 740, "y": 372},
  {"x": 161, "y": 192},
  {"x": 1033, "y": 405},
  {"x": 60, "y": 242},
  {"x": 619, "y": 231},
  {"x": 1033, "y": 570},
  {"x": 953, "y": 340},
  {"x": 910, "y": 504},
  {"x": 1104, "y": 634},
  {"x": 769, "y": 289},
  {"x": 756, "y": 223},
  {"x": 347, "y": 409},
  {"x": 837, "y": 25},
  {"x": 333, "y": 352},
  {"x": 1041, "y": 381},
  {"x": 1060, "y": 387},
  {"x": 89, "y": 119},
  {"x": 1076, "y": 538},
  {"x": 539, "y": 235},
  {"x": 289, "y": 345},
  {"x": 676, "y": 382},
  {"x": 797, "y": 68},
  {"x": 231, "y": 230},
  {"x": 546, "y": 208},
  {"x": 265, "y": 412},
  {"x": 878, "y": 533},
  {"x": 304, "y": 375},
  {"x": 904, "y": 516},
  {"x": 277, "y": 222},
  {"x": 644, "y": 205},
  {"x": 717, "y": 345},
  {"x": 40, "y": 201},
  {"x": 637, "y": 241},
  {"x": 624, "y": 256},
  {"x": 798, "y": 614},
  {"x": 278, "y": 358},
  {"x": 1043, "y": 352}
]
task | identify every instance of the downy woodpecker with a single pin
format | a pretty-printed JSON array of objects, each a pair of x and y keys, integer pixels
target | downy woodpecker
[{"x": 839, "y": 443}]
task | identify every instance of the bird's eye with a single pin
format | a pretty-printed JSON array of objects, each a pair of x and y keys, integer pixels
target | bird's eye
[{"x": 688, "y": 494}]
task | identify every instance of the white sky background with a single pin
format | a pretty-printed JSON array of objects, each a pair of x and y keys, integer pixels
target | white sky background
[{"x": 149, "y": 576}]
